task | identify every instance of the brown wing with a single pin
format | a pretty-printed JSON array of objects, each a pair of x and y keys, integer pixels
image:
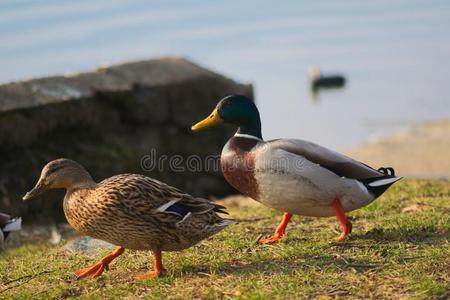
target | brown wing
[{"x": 144, "y": 196}]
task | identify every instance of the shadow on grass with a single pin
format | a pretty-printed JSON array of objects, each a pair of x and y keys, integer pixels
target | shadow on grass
[
  {"x": 285, "y": 265},
  {"x": 414, "y": 236}
]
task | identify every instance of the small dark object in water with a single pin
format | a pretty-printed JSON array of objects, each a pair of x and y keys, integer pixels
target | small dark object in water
[{"x": 319, "y": 80}]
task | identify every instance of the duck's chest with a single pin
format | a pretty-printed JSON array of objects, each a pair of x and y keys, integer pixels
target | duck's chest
[
  {"x": 80, "y": 211},
  {"x": 238, "y": 165}
]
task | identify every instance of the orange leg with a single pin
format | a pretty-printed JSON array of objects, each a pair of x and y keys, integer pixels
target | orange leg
[
  {"x": 346, "y": 224},
  {"x": 97, "y": 269},
  {"x": 279, "y": 232},
  {"x": 159, "y": 269}
]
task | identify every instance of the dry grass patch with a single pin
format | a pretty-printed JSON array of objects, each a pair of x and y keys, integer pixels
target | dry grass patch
[{"x": 393, "y": 252}]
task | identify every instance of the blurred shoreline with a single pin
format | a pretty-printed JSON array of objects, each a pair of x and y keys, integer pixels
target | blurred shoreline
[{"x": 421, "y": 151}]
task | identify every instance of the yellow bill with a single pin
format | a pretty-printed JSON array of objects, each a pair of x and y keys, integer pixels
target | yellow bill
[{"x": 211, "y": 120}]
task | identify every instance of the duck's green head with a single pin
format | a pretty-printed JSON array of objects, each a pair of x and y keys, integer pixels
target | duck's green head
[{"x": 238, "y": 110}]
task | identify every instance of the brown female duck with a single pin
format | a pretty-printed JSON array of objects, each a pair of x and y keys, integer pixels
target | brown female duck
[{"x": 131, "y": 211}]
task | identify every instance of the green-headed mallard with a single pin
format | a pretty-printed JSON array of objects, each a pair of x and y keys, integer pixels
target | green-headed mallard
[
  {"x": 130, "y": 211},
  {"x": 293, "y": 176},
  {"x": 7, "y": 225}
]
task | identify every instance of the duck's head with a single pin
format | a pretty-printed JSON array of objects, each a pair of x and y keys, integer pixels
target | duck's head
[
  {"x": 238, "y": 110},
  {"x": 60, "y": 174},
  {"x": 314, "y": 72}
]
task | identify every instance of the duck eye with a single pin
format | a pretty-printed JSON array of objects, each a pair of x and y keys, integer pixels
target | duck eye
[{"x": 54, "y": 169}]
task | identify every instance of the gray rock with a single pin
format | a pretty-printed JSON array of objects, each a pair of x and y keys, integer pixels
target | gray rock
[
  {"x": 108, "y": 120},
  {"x": 87, "y": 245},
  {"x": 117, "y": 78}
]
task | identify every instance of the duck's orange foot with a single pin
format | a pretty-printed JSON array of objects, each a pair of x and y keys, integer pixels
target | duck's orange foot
[
  {"x": 345, "y": 223},
  {"x": 272, "y": 239},
  {"x": 92, "y": 271},
  {"x": 97, "y": 269},
  {"x": 346, "y": 230},
  {"x": 279, "y": 232},
  {"x": 149, "y": 275}
]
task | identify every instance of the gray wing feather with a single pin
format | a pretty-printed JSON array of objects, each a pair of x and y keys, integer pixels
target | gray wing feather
[{"x": 337, "y": 163}]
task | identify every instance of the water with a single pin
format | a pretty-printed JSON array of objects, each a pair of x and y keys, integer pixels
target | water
[{"x": 395, "y": 54}]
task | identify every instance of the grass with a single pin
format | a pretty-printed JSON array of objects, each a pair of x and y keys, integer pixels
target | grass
[{"x": 399, "y": 248}]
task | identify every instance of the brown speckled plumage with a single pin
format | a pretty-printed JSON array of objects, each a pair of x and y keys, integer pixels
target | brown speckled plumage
[
  {"x": 122, "y": 210},
  {"x": 128, "y": 209}
]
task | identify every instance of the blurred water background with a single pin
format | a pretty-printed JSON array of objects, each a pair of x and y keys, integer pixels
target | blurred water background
[{"x": 395, "y": 54}]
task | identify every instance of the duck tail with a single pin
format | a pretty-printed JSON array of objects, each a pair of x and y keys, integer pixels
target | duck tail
[
  {"x": 218, "y": 226},
  {"x": 378, "y": 185},
  {"x": 13, "y": 225},
  {"x": 226, "y": 222},
  {"x": 387, "y": 171}
]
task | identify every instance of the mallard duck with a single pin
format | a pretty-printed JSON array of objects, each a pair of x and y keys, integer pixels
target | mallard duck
[
  {"x": 131, "y": 211},
  {"x": 7, "y": 225},
  {"x": 319, "y": 80},
  {"x": 293, "y": 176}
]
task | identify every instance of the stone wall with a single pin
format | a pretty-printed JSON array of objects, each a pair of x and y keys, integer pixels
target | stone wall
[{"x": 109, "y": 120}]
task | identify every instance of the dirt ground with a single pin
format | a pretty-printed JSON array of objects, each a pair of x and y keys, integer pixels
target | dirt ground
[{"x": 420, "y": 152}]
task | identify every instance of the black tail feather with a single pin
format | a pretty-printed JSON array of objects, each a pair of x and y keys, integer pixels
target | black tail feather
[
  {"x": 220, "y": 209},
  {"x": 378, "y": 185},
  {"x": 387, "y": 171}
]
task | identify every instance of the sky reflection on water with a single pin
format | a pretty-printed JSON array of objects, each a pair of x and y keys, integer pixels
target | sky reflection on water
[{"x": 395, "y": 54}]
